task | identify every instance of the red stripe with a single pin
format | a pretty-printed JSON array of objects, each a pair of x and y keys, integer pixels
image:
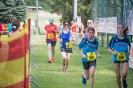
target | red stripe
[{"x": 17, "y": 49}]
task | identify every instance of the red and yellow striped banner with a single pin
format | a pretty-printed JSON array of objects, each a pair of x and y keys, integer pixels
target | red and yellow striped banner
[{"x": 14, "y": 60}]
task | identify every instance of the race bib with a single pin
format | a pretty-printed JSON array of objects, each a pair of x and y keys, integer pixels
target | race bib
[
  {"x": 50, "y": 35},
  {"x": 121, "y": 56},
  {"x": 68, "y": 45},
  {"x": 91, "y": 56}
]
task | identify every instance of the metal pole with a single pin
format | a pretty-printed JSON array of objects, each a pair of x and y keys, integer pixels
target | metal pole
[
  {"x": 36, "y": 17},
  {"x": 75, "y": 10},
  {"x": 124, "y": 12}
]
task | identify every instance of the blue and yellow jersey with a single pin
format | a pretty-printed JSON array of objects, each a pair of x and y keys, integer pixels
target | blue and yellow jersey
[
  {"x": 120, "y": 45},
  {"x": 89, "y": 48}
]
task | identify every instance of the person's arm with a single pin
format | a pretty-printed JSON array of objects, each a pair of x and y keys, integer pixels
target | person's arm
[
  {"x": 112, "y": 52},
  {"x": 80, "y": 46},
  {"x": 96, "y": 34},
  {"x": 59, "y": 37},
  {"x": 129, "y": 50},
  {"x": 111, "y": 44},
  {"x": 98, "y": 54},
  {"x": 45, "y": 29},
  {"x": 80, "y": 52},
  {"x": 129, "y": 43},
  {"x": 56, "y": 29},
  {"x": 72, "y": 36}
]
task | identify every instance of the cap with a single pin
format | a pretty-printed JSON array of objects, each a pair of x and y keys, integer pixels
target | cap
[{"x": 51, "y": 20}]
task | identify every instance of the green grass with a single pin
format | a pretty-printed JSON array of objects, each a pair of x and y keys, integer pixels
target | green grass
[{"x": 50, "y": 75}]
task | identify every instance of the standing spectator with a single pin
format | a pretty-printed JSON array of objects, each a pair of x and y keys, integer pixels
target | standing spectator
[
  {"x": 51, "y": 30},
  {"x": 10, "y": 24},
  {"x": 89, "y": 54},
  {"x": 65, "y": 37},
  {"x": 90, "y": 24},
  {"x": 81, "y": 29},
  {"x": 60, "y": 26},
  {"x": 73, "y": 26},
  {"x": 119, "y": 47}
]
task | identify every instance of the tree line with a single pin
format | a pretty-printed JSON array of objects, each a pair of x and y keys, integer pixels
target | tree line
[{"x": 87, "y": 9}]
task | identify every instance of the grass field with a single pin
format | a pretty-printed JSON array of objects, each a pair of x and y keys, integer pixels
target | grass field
[{"x": 50, "y": 75}]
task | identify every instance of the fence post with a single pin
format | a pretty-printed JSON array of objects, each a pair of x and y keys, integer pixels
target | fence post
[
  {"x": 102, "y": 40},
  {"x": 107, "y": 39}
]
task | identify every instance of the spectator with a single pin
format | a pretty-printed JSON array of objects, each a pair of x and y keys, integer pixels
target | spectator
[
  {"x": 60, "y": 26},
  {"x": 90, "y": 24}
]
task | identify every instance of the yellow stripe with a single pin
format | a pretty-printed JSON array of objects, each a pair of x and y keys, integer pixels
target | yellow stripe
[
  {"x": 12, "y": 72},
  {"x": 22, "y": 32},
  {"x": 27, "y": 64}
]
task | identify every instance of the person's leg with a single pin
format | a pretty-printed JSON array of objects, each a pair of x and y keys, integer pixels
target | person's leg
[
  {"x": 49, "y": 52},
  {"x": 124, "y": 73},
  {"x": 53, "y": 43},
  {"x": 53, "y": 52},
  {"x": 49, "y": 49},
  {"x": 91, "y": 72},
  {"x": 85, "y": 75},
  {"x": 67, "y": 60},
  {"x": 117, "y": 72},
  {"x": 64, "y": 58}
]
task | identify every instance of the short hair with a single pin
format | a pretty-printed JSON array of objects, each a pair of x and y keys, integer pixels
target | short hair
[{"x": 91, "y": 28}]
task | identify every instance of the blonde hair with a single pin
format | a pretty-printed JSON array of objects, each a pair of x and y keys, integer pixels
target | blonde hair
[{"x": 90, "y": 25}]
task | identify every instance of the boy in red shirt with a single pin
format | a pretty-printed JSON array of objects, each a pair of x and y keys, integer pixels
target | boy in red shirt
[{"x": 51, "y": 30}]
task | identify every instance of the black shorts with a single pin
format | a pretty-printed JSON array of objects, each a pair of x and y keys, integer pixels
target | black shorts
[
  {"x": 87, "y": 65},
  {"x": 67, "y": 50},
  {"x": 53, "y": 43},
  {"x": 120, "y": 62}
]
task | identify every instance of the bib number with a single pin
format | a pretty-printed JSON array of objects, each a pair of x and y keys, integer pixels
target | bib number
[
  {"x": 50, "y": 35},
  {"x": 121, "y": 56},
  {"x": 68, "y": 45},
  {"x": 91, "y": 56}
]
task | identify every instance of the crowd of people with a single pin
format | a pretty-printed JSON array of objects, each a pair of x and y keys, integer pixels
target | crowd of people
[{"x": 119, "y": 47}]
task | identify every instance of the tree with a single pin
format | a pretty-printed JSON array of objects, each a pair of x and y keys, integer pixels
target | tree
[
  {"x": 65, "y": 8},
  {"x": 11, "y": 8}
]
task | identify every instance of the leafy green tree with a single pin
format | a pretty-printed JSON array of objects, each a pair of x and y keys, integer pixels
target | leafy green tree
[
  {"x": 11, "y": 8},
  {"x": 87, "y": 9}
]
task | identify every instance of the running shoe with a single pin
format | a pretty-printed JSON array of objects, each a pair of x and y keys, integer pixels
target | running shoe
[
  {"x": 67, "y": 70},
  {"x": 63, "y": 68},
  {"x": 124, "y": 83},
  {"x": 52, "y": 60},
  {"x": 83, "y": 80}
]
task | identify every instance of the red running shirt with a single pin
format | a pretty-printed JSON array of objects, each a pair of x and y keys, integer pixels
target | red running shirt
[{"x": 51, "y": 34}]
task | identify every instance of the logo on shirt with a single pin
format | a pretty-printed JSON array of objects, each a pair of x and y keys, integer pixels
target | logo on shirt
[{"x": 121, "y": 45}]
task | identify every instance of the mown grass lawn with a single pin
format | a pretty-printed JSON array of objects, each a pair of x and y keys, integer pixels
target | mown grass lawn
[{"x": 50, "y": 75}]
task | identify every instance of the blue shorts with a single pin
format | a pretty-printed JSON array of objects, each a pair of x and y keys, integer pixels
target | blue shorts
[
  {"x": 87, "y": 65},
  {"x": 53, "y": 43}
]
